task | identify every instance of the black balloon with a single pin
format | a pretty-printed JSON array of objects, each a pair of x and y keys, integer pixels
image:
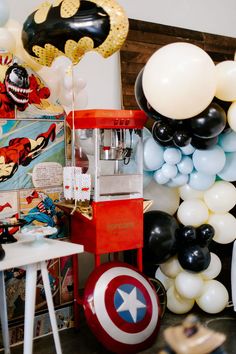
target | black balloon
[
  {"x": 194, "y": 258},
  {"x": 181, "y": 138},
  {"x": 163, "y": 132},
  {"x": 141, "y": 99},
  {"x": 203, "y": 144},
  {"x": 159, "y": 235},
  {"x": 2, "y": 253},
  {"x": 209, "y": 123},
  {"x": 205, "y": 234},
  {"x": 186, "y": 235}
]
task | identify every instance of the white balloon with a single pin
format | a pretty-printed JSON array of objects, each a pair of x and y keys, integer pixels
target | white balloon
[
  {"x": 62, "y": 64},
  {"x": 176, "y": 303},
  {"x": 179, "y": 80},
  {"x": 221, "y": 197},
  {"x": 225, "y": 227},
  {"x": 67, "y": 82},
  {"x": 231, "y": 116},
  {"x": 214, "y": 297},
  {"x": 52, "y": 80},
  {"x": 171, "y": 268},
  {"x": 66, "y": 99},
  {"x": 166, "y": 281},
  {"x": 79, "y": 83},
  {"x": 164, "y": 198},
  {"x": 226, "y": 77},
  {"x": 189, "y": 285},
  {"x": 186, "y": 192},
  {"x": 214, "y": 268},
  {"x": 193, "y": 212},
  {"x": 7, "y": 40}
]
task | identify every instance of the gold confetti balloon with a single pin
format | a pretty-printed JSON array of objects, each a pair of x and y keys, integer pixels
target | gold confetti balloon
[{"x": 74, "y": 27}]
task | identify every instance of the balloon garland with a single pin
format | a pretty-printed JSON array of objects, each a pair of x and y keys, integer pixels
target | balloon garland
[{"x": 191, "y": 147}]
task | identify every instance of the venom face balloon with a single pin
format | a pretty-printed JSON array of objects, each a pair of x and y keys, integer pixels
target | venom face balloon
[
  {"x": 17, "y": 84},
  {"x": 74, "y": 27}
]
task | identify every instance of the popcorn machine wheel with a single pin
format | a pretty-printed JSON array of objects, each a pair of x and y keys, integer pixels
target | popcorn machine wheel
[{"x": 112, "y": 140}]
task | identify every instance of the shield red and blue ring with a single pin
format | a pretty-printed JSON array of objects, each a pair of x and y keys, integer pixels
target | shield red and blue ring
[{"x": 121, "y": 308}]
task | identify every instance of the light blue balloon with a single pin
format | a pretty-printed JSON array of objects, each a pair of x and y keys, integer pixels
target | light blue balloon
[
  {"x": 201, "y": 181},
  {"x": 159, "y": 177},
  {"x": 152, "y": 155},
  {"x": 210, "y": 161},
  {"x": 178, "y": 181},
  {"x": 4, "y": 12},
  {"x": 228, "y": 173},
  {"x": 187, "y": 150},
  {"x": 146, "y": 133},
  {"x": 147, "y": 177},
  {"x": 172, "y": 155},
  {"x": 228, "y": 141},
  {"x": 169, "y": 171},
  {"x": 186, "y": 165}
]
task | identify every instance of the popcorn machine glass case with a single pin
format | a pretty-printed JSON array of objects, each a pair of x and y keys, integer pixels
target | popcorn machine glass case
[{"x": 112, "y": 141}]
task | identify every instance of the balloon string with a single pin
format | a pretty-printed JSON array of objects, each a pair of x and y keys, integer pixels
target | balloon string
[{"x": 73, "y": 120}]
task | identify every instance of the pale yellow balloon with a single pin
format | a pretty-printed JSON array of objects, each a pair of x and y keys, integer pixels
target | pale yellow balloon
[
  {"x": 187, "y": 192},
  {"x": 214, "y": 297},
  {"x": 231, "y": 116},
  {"x": 193, "y": 212},
  {"x": 189, "y": 285},
  {"x": 164, "y": 198},
  {"x": 166, "y": 281},
  {"x": 176, "y": 303},
  {"x": 171, "y": 268},
  {"x": 226, "y": 78},
  {"x": 224, "y": 226},
  {"x": 221, "y": 197},
  {"x": 214, "y": 268},
  {"x": 179, "y": 80}
]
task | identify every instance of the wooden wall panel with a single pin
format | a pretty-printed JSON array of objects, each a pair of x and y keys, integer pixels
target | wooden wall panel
[{"x": 144, "y": 38}]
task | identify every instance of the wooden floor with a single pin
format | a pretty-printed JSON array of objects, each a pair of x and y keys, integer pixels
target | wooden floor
[{"x": 83, "y": 341}]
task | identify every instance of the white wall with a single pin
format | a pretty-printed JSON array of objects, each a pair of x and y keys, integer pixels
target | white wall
[{"x": 102, "y": 75}]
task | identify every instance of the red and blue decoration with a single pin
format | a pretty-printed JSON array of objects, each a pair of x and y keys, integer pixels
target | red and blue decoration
[{"x": 121, "y": 308}]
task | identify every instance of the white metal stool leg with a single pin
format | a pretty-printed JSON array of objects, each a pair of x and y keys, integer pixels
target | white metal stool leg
[
  {"x": 30, "y": 292},
  {"x": 3, "y": 315},
  {"x": 51, "y": 311}
]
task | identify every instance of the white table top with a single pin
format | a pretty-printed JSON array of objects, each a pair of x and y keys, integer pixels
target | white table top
[{"x": 22, "y": 253}]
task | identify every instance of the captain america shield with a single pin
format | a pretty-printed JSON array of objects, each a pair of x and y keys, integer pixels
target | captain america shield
[{"x": 121, "y": 308}]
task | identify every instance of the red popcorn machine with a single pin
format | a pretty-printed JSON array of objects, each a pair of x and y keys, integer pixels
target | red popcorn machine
[{"x": 109, "y": 148}]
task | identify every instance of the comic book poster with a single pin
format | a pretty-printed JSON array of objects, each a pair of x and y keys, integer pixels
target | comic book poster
[
  {"x": 66, "y": 272},
  {"x": 53, "y": 274},
  {"x": 32, "y": 153},
  {"x": 42, "y": 325},
  {"x": 38, "y": 207},
  {"x": 8, "y": 213},
  {"x": 15, "y": 289}
]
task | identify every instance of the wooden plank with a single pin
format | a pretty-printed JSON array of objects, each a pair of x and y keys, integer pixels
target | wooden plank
[{"x": 144, "y": 38}]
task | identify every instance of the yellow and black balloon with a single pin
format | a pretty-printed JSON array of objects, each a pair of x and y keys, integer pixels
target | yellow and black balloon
[{"x": 74, "y": 27}]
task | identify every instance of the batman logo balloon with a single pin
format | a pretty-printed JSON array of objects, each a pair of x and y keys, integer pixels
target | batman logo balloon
[{"x": 74, "y": 27}]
